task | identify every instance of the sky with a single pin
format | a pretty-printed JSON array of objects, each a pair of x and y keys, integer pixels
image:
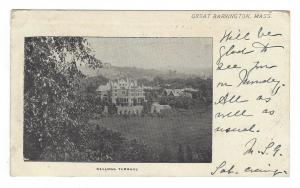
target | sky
[{"x": 181, "y": 54}]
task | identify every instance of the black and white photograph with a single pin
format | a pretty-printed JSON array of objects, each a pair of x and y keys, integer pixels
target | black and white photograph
[{"x": 131, "y": 99}]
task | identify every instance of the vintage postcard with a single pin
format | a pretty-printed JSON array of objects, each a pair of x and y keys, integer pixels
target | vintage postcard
[{"x": 149, "y": 93}]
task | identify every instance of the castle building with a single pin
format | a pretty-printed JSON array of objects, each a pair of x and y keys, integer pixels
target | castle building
[{"x": 123, "y": 92}]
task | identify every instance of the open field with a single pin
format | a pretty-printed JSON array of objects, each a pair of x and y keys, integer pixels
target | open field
[{"x": 178, "y": 131}]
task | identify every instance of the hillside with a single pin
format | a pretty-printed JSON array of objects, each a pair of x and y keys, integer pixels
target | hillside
[{"x": 114, "y": 72}]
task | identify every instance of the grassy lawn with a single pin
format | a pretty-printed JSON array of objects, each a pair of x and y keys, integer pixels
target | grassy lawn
[{"x": 177, "y": 128}]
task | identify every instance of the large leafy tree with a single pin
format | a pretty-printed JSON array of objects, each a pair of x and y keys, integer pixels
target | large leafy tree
[{"x": 51, "y": 77}]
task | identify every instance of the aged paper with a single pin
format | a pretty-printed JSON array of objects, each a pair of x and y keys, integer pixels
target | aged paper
[{"x": 149, "y": 93}]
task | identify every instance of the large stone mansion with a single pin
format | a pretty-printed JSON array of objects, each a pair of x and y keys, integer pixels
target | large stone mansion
[{"x": 122, "y": 92}]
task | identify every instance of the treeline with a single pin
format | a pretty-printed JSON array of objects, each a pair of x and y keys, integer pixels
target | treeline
[{"x": 179, "y": 83}]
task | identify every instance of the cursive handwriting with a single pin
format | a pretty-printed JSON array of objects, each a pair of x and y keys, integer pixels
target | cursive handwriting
[
  {"x": 237, "y": 130},
  {"x": 221, "y": 169},
  {"x": 230, "y": 36},
  {"x": 238, "y": 113},
  {"x": 244, "y": 80},
  {"x": 274, "y": 172},
  {"x": 224, "y": 169},
  {"x": 271, "y": 148},
  {"x": 261, "y": 33},
  {"x": 230, "y": 99},
  {"x": 257, "y": 65},
  {"x": 223, "y": 52},
  {"x": 264, "y": 47},
  {"x": 241, "y": 54},
  {"x": 270, "y": 112},
  {"x": 261, "y": 98},
  {"x": 223, "y": 84},
  {"x": 244, "y": 75}
]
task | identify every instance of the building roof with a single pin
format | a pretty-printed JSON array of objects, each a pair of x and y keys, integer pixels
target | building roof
[
  {"x": 174, "y": 92},
  {"x": 177, "y": 92},
  {"x": 168, "y": 91}
]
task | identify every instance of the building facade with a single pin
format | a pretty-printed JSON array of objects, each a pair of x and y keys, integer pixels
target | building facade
[{"x": 122, "y": 92}]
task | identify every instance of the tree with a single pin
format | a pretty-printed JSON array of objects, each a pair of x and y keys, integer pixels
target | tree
[
  {"x": 158, "y": 81},
  {"x": 51, "y": 77}
]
